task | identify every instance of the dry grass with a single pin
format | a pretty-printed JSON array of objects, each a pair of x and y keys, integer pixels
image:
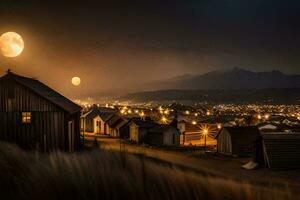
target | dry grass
[{"x": 111, "y": 175}]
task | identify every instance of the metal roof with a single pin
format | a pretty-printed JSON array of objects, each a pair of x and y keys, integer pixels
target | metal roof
[
  {"x": 282, "y": 150},
  {"x": 44, "y": 91}
]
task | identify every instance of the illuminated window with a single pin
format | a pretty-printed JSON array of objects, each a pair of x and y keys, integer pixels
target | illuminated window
[{"x": 26, "y": 117}]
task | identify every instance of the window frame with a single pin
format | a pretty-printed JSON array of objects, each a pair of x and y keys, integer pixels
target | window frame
[{"x": 26, "y": 117}]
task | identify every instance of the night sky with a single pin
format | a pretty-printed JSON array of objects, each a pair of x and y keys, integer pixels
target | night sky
[{"x": 124, "y": 43}]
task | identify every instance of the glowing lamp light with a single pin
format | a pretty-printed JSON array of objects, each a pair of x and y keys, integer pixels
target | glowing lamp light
[
  {"x": 258, "y": 116},
  {"x": 187, "y": 112},
  {"x": 208, "y": 113},
  {"x": 129, "y": 111},
  {"x": 219, "y": 126},
  {"x": 196, "y": 114},
  {"x": 164, "y": 120},
  {"x": 267, "y": 116},
  {"x": 194, "y": 122},
  {"x": 205, "y": 131}
]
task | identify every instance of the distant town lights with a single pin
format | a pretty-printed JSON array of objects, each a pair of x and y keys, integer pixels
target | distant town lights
[
  {"x": 267, "y": 116},
  {"x": 164, "y": 119},
  {"x": 194, "y": 122},
  {"x": 258, "y": 116}
]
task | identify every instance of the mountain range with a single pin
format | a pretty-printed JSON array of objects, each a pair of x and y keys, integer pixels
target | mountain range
[
  {"x": 235, "y": 78},
  {"x": 232, "y": 86}
]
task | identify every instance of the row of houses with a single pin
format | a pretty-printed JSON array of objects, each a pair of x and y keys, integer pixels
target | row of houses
[
  {"x": 35, "y": 116},
  {"x": 110, "y": 122}
]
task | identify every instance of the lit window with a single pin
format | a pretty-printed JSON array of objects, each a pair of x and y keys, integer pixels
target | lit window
[{"x": 26, "y": 117}]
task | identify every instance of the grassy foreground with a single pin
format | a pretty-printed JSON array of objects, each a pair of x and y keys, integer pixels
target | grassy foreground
[{"x": 111, "y": 175}]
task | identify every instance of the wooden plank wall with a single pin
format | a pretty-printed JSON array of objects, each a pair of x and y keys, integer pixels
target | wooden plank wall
[{"x": 48, "y": 120}]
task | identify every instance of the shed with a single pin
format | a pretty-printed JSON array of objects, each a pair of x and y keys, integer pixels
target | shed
[
  {"x": 163, "y": 135},
  {"x": 35, "y": 116},
  {"x": 138, "y": 129},
  {"x": 237, "y": 140},
  {"x": 95, "y": 120},
  {"x": 279, "y": 150}
]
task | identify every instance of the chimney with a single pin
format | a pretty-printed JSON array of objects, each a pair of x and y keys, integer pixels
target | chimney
[{"x": 8, "y": 71}]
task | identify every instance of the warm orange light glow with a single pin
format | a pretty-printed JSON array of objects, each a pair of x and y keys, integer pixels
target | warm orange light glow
[
  {"x": 208, "y": 113},
  {"x": 194, "y": 122},
  {"x": 267, "y": 116},
  {"x": 219, "y": 126},
  {"x": 142, "y": 114},
  {"x": 164, "y": 119},
  {"x": 258, "y": 116},
  {"x": 11, "y": 44},
  {"x": 205, "y": 131}
]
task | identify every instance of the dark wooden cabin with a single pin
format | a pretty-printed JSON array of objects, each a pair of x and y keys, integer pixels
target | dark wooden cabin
[
  {"x": 240, "y": 141},
  {"x": 34, "y": 116},
  {"x": 279, "y": 150}
]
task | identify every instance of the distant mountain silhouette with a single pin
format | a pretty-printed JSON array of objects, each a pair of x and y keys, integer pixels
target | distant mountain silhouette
[{"x": 235, "y": 78}]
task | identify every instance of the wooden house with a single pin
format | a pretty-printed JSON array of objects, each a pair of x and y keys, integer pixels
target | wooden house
[
  {"x": 239, "y": 141},
  {"x": 163, "y": 135},
  {"x": 114, "y": 125},
  {"x": 138, "y": 129},
  {"x": 279, "y": 150},
  {"x": 95, "y": 120},
  {"x": 35, "y": 116}
]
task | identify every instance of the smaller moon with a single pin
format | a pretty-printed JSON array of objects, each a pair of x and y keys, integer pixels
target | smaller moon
[
  {"x": 76, "y": 81},
  {"x": 11, "y": 44}
]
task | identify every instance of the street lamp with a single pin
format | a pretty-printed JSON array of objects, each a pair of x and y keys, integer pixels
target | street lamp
[{"x": 205, "y": 132}]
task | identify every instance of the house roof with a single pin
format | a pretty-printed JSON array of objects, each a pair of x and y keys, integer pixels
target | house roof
[
  {"x": 105, "y": 116},
  {"x": 143, "y": 123},
  {"x": 44, "y": 91},
  {"x": 121, "y": 123},
  {"x": 113, "y": 121}
]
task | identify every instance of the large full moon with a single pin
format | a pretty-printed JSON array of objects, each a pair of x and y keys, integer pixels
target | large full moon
[
  {"x": 11, "y": 44},
  {"x": 76, "y": 81}
]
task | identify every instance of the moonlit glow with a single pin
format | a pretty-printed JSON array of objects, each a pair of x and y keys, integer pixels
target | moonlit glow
[
  {"x": 11, "y": 44},
  {"x": 76, "y": 81}
]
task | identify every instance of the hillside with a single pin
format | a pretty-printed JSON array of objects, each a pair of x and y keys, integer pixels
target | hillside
[
  {"x": 234, "y": 78},
  {"x": 277, "y": 96}
]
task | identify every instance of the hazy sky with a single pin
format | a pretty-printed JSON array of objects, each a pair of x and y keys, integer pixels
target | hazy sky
[{"x": 124, "y": 43}]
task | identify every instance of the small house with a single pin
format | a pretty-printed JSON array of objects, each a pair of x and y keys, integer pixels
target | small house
[
  {"x": 239, "y": 141},
  {"x": 114, "y": 124},
  {"x": 94, "y": 121},
  {"x": 279, "y": 150},
  {"x": 138, "y": 129},
  {"x": 34, "y": 116},
  {"x": 163, "y": 135}
]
